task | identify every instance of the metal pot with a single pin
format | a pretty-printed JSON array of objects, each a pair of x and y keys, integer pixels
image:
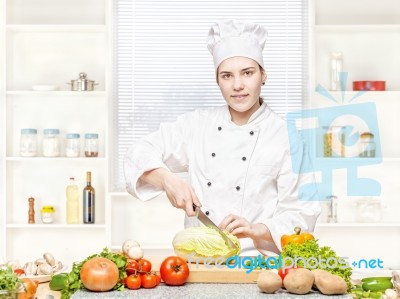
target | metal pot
[{"x": 82, "y": 84}]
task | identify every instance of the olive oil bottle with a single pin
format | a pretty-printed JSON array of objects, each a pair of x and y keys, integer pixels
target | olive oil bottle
[
  {"x": 72, "y": 202},
  {"x": 88, "y": 200}
]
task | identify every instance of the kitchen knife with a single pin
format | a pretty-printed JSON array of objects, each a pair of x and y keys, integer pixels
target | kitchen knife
[{"x": 207, "y": 222}]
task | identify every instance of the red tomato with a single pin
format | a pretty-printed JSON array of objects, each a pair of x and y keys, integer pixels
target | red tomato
[
  {"x": 144, "y": 265},
  {"x": 174, "y": 271},
  {"x": 19, "y": 271},
  {"x": 132, "y": 267},
  {"x": 158, "y": 279},
  {"x": 133, "y": 282},
  {"x": 283, "y": 272},
  {"x": 149, "y": 280}
]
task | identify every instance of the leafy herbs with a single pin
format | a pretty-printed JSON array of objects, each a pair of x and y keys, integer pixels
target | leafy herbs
[
  {"x": 8, "y": 279},
  {"x": 75, "y": 283},
  {"x": 317, "y": 257}
]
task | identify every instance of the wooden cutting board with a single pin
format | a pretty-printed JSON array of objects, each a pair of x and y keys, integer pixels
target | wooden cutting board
[{"x": 213, "y": 273}]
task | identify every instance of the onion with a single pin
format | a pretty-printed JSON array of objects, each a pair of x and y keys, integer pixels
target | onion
[{"x": 99, "y": 274}]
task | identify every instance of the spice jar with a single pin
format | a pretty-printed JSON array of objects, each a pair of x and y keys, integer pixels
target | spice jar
[
  {"x": 51, "y": 143},
  {"x": 28, "y": 143},
  {"x": 47, "y": 214},
  {"x": 91, "y": 145},
  {"x": 367, "y": 145},
  {"x": 73, "y": 145},
  {"x": 334, "y": 140}
]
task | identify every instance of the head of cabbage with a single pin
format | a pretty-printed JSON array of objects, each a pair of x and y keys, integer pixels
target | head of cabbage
[{"x": 204, "y": 242}]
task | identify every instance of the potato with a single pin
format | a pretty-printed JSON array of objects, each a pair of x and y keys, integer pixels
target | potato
[
  {"x": 328, "y": 283},
  {"x": 299, "y": 281},
  {"x": 269, "y": 282}
]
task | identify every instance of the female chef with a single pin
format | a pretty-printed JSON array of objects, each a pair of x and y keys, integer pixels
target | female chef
[{"x": 237, "y": 156}]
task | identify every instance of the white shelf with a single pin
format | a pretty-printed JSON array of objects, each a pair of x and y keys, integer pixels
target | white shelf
[
  {"x": 56, "y": 28},
  {"x": 58, "y": 159},
  {"x": 350, "y": 93},
  {"x": 358, "y": 28},
  {"x": 356, "y": 160},
  {"x": 56, "y": 226},
  {"x": 56, "y": 93},
  {"x": 359, "y": 224}
]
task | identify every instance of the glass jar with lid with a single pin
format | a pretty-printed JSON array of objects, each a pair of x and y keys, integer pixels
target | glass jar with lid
[
  {"x": 73, "y": 145},
  {"x": 28, "y": 143},
  {"x": 47, "y": 214},
  {"x": 367, "y": 145},
  {"x": 91, "y": 145},
  {"x": 51, "y": 142}
]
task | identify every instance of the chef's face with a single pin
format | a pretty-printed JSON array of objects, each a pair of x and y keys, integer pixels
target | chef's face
[{"x": 240, "y": 80}]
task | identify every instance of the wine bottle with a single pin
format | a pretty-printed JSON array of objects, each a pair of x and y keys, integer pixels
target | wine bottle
[
  {"x": 88, "y": 200},
  {"x": 72, "y": 192}
]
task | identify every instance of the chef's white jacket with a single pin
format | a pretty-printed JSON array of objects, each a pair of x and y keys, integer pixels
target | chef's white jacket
[{"x": 243, "y": 170}]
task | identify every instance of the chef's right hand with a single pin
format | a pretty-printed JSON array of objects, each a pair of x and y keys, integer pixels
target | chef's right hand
[{"x": 180, "y": 193}]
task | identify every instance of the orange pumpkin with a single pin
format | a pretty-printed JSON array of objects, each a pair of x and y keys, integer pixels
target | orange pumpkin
[{"x": 298, "y": 237}]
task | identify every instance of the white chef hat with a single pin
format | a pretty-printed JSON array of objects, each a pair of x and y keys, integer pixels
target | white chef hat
[{"x": 232, "y": 38}]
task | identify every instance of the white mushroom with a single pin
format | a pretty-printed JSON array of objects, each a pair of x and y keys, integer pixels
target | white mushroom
[
  {"x": 135, "y": 253},
  {"x": 45, "y": 269},
  {"x": 128, "y": 244},
  {"x": 30, "y": 269},
  {"x": 40, "y": 261},
  {"x": 57, "y": 266},
  {"x": 49, "y": 258}
]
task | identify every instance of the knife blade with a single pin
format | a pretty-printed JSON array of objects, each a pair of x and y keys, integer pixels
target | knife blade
[{"x": 203, "y": 218}]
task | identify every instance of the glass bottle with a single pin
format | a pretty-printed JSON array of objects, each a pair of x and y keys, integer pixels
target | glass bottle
[
  {"x": 28, "y": 143},
  {"x": 88, "y": 200},
  {"x": 51, "y": 143},
  {"x": 72, "y": 192},
  {"x": 336, "y": 69},
  {"x": 73, "y": 145},
  {"x": 91, "y": 145}
]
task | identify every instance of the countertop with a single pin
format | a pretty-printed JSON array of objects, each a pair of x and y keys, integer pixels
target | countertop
[
  {"x": 198, "y": 291},
  {"x": 189, "y": 290}
]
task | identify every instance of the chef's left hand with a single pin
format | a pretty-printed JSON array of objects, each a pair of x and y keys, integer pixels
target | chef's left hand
[{"x": 242, "y": 228}]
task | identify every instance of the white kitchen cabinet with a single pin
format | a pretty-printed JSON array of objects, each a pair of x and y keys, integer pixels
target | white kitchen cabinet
[
  {"x": 368, "y": 35},
  {"x": 51, "y": 41},
  {"x": 47, "y": 42}
]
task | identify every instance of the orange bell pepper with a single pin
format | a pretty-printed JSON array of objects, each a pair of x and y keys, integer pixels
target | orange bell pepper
[{"x": 298, "y": 237}]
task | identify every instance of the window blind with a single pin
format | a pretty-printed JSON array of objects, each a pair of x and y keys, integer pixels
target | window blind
[{"x": 162, "y": 67}]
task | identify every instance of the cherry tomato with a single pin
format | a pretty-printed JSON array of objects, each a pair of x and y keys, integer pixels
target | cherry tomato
[
  {"x": 144, "y": 265},
  {"x": 174, "y": 271},
  {"x": 158, "y": 279},
  {"x": 132, "y": 267},
  {"x": 133, "y": 282},
  {"x": 19, "y": 271},
  {"x": 149, "y": 280}
]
